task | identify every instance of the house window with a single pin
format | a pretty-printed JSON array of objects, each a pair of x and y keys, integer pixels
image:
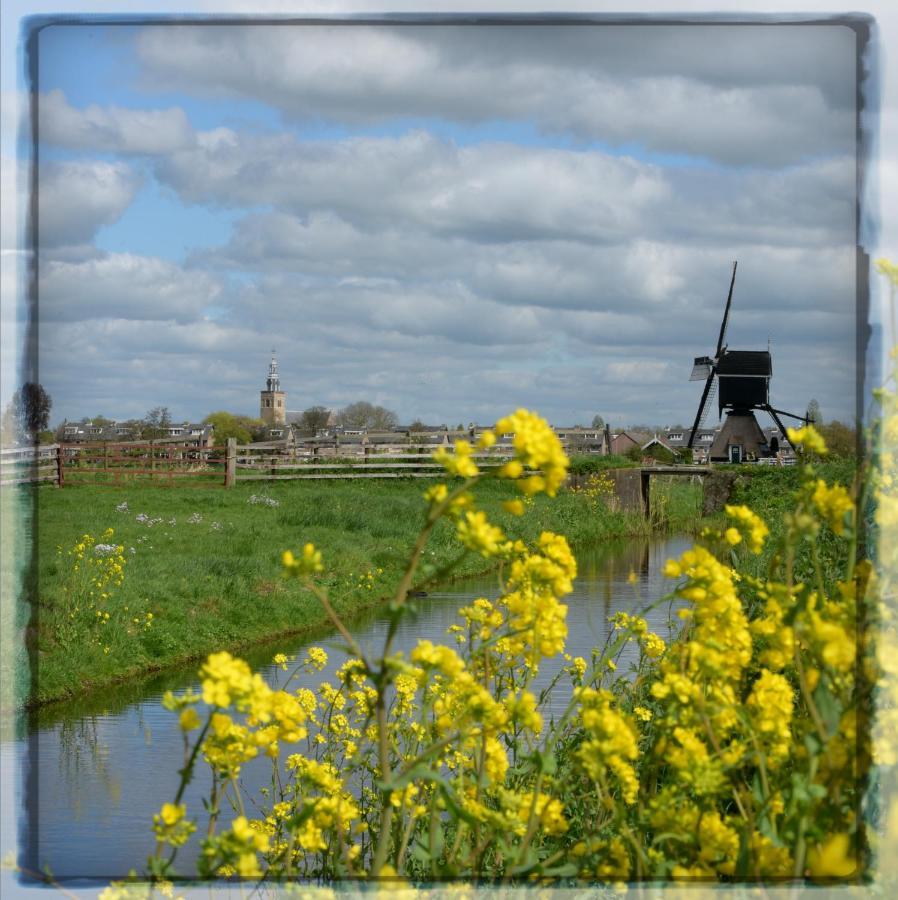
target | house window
[{"x": 279, "y": 402}]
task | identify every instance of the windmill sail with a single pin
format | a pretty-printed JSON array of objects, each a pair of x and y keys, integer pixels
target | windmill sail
[
  {"x": 706, "y": 367},
  {"x": 726, "y": 316},
  {"x": 700, "y": 415}
]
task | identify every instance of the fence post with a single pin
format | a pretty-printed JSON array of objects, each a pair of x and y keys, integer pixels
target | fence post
[
  {"x": 231, "y": 462},
  {"x": 60, "y": 471}
]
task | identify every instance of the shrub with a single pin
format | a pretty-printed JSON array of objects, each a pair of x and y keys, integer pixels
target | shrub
[{"x": 732, "y": 753}]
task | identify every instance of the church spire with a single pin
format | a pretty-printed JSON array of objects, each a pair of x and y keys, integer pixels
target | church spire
[
  {"x": 274, "y": 381},
  {"x": 273, "y": 401}
]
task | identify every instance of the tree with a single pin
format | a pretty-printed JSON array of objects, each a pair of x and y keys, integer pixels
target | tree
[
  {"x": 841, "y": 439},
  {"x": 364, "y": 416},
  {"x": 417, "y": 425},
  {"x": 27, "y": 414},
  {"x": 598, "y": 422},
  {"x": 813, "y": 413},
  {"x": 155, "y": 422},
  {"x": 314, "y": 419},
  {"x": 227, "y": 425}
]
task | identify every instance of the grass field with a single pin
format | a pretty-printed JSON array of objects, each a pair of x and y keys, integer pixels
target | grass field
[{"x": 202, "y": 566}]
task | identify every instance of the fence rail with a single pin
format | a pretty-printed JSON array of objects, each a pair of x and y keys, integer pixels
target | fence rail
[
  {"x": 29, "y": 465},
  {"x": 186, "y": 463},
  {"x": 257, "y": 462}
]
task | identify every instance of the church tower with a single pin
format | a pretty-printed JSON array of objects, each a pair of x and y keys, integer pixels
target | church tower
[{"x": 273, "y": 401}]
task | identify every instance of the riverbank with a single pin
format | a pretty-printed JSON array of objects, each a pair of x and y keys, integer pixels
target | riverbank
[{"x": 201, "y": 569}]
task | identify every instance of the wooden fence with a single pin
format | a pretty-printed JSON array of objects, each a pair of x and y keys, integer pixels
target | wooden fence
[
  {"x": 277, "y": 462},
  {"x": 169, "y": 463},
  {"x": 29, "y": 465},
  {"x": 159, "y": 462}
]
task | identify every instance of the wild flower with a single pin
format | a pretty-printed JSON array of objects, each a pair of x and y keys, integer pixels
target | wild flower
[
  {"x": 731, "y": 753},
  {"x": 262, "y": 500}
]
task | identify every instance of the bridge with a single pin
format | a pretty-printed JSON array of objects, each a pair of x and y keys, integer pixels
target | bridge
[{"x": 633, "y": 486}]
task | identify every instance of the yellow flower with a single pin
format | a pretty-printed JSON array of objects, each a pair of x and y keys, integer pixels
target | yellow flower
[
  {"x": 808, "y": 437},
  {"x": 458, "y": 463},
  {"x": 189, "y": 719},
  {"x": 476, "y": 533},
  {"x": 307, "y": 564},
  {"x": 888, "y": 268},
  {"x": 834, "y": 858},
  {"x": 751, "y": 523},
  {"x": 172, "y": 814},
  {"x": 833, "y": 503},
  {"x": 536, "y": 447},
  {"x": 436, "y": 494},
  {"x": 515, "y": 507},
  {"x": 770, "y": 707},
  {"x": 316, "y": 658}
]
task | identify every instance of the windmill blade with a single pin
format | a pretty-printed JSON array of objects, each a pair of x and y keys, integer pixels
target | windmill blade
[
  {"x": 701, "y": 409},
  {"x": 726, "y": 315}
]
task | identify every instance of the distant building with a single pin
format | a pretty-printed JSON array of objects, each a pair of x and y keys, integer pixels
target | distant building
[
  {"x": 273, "y": 401},
  {"x": 194, "y": 434}
]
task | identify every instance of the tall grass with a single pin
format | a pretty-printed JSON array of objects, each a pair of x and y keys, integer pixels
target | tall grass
[{"x": 205, "y": 562}]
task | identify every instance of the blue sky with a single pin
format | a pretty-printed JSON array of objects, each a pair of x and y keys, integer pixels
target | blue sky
[{"x": 385, "y": 204}]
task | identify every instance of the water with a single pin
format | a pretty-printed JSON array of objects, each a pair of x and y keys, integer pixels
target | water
[{"x": 95, "y": 771}]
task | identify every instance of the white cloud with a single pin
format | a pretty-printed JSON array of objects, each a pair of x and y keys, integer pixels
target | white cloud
[
  {"x": 111, "y": 129},
  {"x": 737, "y": 94},
  {"x": 123, "y": 286},
  {"x": 75, "y": 199},
  {"x": 504, "y": 193}
]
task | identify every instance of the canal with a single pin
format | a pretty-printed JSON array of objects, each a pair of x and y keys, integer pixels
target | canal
[{"x": 89, "y": 775}]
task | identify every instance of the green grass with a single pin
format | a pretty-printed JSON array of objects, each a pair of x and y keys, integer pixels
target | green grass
[
  {"x": 769, "y": 491},
  {"x": 210, "y": 588}
]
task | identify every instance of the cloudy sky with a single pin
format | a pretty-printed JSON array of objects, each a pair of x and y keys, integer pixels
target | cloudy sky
[{"x": 451, "y": 221}]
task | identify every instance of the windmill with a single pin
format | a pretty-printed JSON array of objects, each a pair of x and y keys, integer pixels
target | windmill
[{"x": 741, "y": 379}]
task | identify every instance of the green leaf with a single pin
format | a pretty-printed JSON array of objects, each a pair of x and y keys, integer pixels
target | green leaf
[
  {"x": 419, "y": 772},
  {"x": 454, "y": 807}
]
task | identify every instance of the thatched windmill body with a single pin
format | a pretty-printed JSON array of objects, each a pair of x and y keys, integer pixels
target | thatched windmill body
[{"x": 741, "y": 379}]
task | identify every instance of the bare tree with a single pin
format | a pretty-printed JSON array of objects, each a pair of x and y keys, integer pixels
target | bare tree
[
  {"x": 155, "y": 421},
  {"x": 813, "y": 414},
  {"x": 364, "y": 416},
  {"x": 314, "y": 419}
]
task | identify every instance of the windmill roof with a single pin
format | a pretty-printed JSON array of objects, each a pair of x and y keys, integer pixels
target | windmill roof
[{"x": 745, "y": 362}]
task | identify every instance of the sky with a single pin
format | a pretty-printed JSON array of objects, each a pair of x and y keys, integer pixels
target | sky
[{"x": 450, "y": 221}]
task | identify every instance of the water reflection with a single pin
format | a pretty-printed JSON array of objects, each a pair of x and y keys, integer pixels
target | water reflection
[{"x": 106, "y": 764}]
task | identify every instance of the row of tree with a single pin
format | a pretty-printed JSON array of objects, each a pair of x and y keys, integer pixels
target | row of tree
[{"x": 27, "y": 416}]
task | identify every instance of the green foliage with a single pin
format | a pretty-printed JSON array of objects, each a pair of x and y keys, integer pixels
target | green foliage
[
  {"x": 27, "y": 413},
  {"x": 228, "y": 425},
  {"x": 731, "y": 752},
  {"x": 841, "y": 439},
  {"x": 593, "y": 462}
]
